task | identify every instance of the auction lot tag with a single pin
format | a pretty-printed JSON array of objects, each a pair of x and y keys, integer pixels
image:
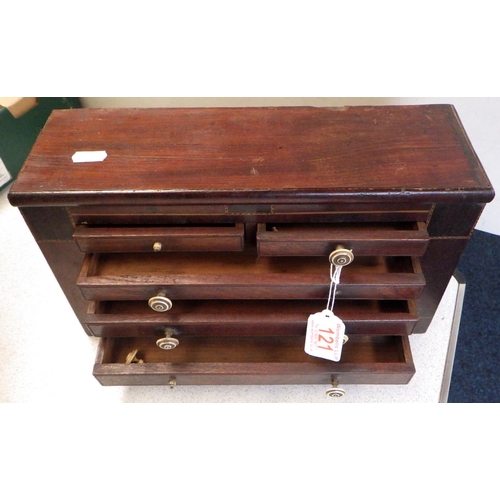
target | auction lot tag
[{"x": 324, "y": 335}]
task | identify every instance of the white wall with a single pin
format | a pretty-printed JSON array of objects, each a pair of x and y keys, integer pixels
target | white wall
[{"x": 480, "y": 117}]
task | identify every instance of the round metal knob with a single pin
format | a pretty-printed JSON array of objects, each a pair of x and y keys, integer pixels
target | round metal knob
[
  {"x": 168, "y": 342},
  {"x": 341, "y": 257},
  {"x": 160, "y": 303},
  {"x": 157, "y": 246},
  {"x": 132, "y": 357},
  {"x": 346, "y": 338},
  {"x": 335, "y": 391}
]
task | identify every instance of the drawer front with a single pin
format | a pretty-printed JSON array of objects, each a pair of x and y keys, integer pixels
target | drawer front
[
  {"x": 244, "y": 276},
  {"x": 228, "y": 237},
  {"x": 256, "y": 318},
  {"x": 322, "y": 239},
  {"x": 252, "y": 360}
]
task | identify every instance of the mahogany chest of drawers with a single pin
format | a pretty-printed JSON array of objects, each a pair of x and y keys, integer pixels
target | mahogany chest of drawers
[{"x": 197, "y": 245}]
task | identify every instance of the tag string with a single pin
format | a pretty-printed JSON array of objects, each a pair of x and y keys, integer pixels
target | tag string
[{"x": 334, "y": 281}]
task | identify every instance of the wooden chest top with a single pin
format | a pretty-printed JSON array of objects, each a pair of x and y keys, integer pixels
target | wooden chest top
[{"x": 168, "y": 155}]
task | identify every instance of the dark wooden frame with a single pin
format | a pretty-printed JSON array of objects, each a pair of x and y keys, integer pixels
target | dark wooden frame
[{"x": 356, "y": 169}]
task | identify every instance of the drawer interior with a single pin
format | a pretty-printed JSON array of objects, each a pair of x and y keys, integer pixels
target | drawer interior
[
  {"x": 251, "y": 317},
  {"x": 246, "y": 263},
  {"x": 276, "y": 309},
  {"x": 363, "y": 228},
  {"x": 244, "y": 276},
  {"x": 251, "y": 360},
  {"x": 363, "y": 350},
  {"x": 377, "y": 238}
]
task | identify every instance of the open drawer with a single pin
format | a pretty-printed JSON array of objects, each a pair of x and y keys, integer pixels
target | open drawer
[
  {"x": 387, "y": 238},
  {"x": 252, "y": 360},
  {"x": 244, "y": 276},
  {"x": 251, "y": 317},
  {"x": 172, "y": 238}
]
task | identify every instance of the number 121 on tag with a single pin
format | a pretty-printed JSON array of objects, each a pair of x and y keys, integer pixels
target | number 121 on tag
[{"x": 324, "y": 336}]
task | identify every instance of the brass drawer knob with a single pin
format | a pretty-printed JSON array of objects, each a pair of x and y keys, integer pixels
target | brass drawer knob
[
  {"x": 341, "y": 257},
  {"x": 168, "y": 342},
  {"x": 157, "y": 246},
  {"x": 160, "y": 303},
  {"x": 132, "y": 358}
]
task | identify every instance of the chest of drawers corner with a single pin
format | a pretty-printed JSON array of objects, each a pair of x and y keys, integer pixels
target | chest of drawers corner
[{"x": 198, "y": 248}]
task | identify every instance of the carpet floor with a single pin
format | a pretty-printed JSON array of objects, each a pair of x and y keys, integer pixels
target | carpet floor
[{"x": 476, "y": 369}]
